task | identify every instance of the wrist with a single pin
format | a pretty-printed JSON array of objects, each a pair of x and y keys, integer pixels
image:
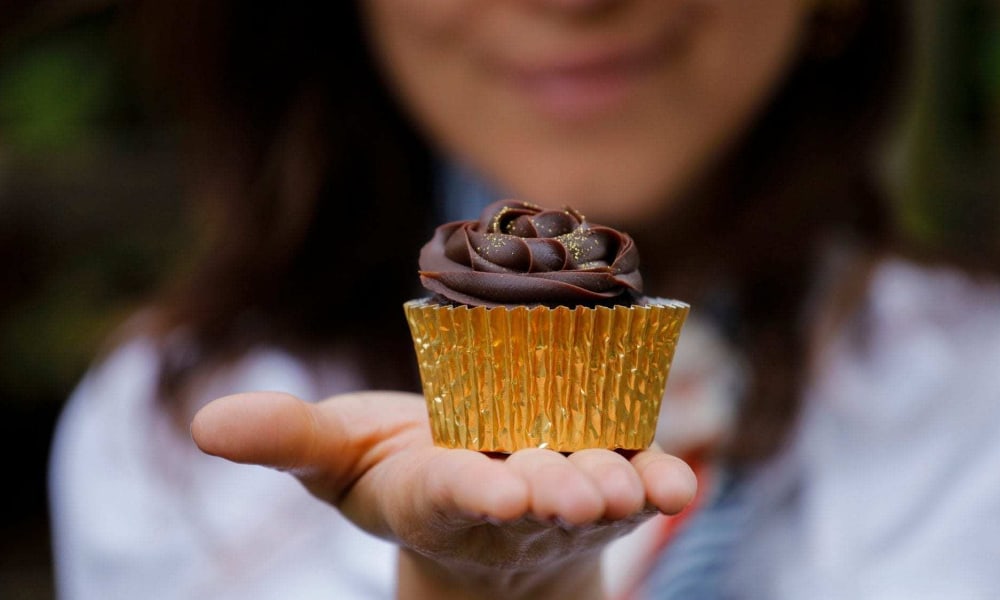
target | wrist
[{"x": 422, "y": 578}]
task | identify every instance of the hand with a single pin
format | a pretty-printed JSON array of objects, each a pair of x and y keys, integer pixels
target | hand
[{"x": 469, "y": 524}]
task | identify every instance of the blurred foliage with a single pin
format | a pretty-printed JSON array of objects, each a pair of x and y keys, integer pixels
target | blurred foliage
[
  {"x": 54, "y": 92},
  {"x": 89, "y": 204},
  {"x": 950, "y": 183}
]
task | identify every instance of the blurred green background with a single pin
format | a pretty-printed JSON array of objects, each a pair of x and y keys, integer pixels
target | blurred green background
[{"x": 91, "y": 217}]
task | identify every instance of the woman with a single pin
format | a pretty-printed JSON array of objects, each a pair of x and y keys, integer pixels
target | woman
[{"x": 734, "y": 140}]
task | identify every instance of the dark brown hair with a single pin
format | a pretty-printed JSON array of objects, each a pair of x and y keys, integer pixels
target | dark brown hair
[
  {"x": 312, "y": 193},
  {"x": 748, "y": 241},
  {"x": 317, "y": 194}
]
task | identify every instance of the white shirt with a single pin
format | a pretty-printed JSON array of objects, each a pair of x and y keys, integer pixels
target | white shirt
[{"x": 890, "y": 487}]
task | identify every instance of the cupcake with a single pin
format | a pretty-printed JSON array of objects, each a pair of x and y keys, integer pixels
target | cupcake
[{"x": 537, "y": 334}]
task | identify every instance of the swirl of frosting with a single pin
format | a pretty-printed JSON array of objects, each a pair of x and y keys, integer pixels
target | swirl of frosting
[{"x": 518, "y": 253}]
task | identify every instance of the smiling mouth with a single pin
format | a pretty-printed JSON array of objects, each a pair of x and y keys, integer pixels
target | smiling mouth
[
  {"x": 597, "y": 81},
  {"x": 583, "y": 90}
]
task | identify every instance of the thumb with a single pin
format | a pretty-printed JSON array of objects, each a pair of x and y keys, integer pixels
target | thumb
[
  {"x": 273, "y": 429},
  {"x": 328, "y": 445}
]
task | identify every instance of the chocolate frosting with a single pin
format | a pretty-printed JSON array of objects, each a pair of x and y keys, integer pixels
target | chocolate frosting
[{"x": 518, "y": 253}]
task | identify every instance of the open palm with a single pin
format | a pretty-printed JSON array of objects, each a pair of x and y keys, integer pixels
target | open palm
[{"x": 515, "y": 520}]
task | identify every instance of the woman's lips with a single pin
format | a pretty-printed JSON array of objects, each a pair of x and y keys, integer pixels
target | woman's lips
[
  {"x": 580, "y": 90},
  {"x": 592, "y": 81}
]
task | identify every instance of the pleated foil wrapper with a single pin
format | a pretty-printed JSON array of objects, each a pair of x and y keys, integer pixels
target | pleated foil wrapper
[{"x": 503, "y": 379}]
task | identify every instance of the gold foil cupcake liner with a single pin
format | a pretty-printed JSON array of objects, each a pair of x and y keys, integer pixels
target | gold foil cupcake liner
[{"x": 502, "y": 379}]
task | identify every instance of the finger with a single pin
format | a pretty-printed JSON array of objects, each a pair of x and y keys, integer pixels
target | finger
[
  {"x": 265, "y": 428},
  {"x": 670, "y": 483},
  {"x": 615, "y": 478},
  {"x": 557, "y": 488},
  {"x": 472, "y": 484},
  {"x": 328, "y": 445},
  {"x": 436, "y": 489}
]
